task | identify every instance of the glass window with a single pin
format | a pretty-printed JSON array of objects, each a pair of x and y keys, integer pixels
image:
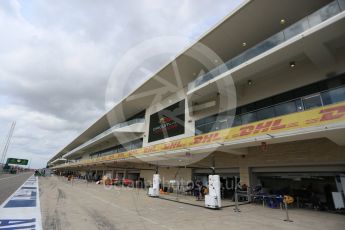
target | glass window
[
  {"x": 312, "y": 102},
  {"x": 330, "y": 84},
  {"x": 237, "y": 121},
  {"x": 248, "y": 118},
  {"x": 198, "y": 130},
  {"x": 210, "y": 119},
  {"x": 205, "y": 120},
  {"x": 204, "y": 128},
  {"x": 285, "y": 108},
  {"x": 299, "y": 105},
  {"x": 306, "y": 90},
  {"x": 212, "y": 127},
  {"x": 296, "y": 28},
  {"x": 324, "y": 13},
  {"x": 238, "y": 110},
  {"x": 269, "y": 43},
  {"x": 199, "y": 122},
  {"x": 342, "y": 4},
  {"x": 248, "y": 108},
  {"x": 266, "y": 113},
  {"x": 222, "y": 124},
  {"x": 264, "y": 103},
  {"x": 333, "y": 96},
  {"x": 238, "y": 60},
  {"x": 121, "y": 149},
  {"x": 252, "y": 52},
  {"x": 216, "y": 126},
  {"x": 234, "y": 121},
  {"x": 287, "y": 96}
]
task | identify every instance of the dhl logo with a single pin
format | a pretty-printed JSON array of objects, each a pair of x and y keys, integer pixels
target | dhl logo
[
  {"x": 277, "y": 124},
  {"x": 332, "y": 113},
  {"x": 150, "y": 149},
  {"x": 208, "y": 138},
  {"x": 173, "y": 145},
  {"x": 261, "y": 127}
]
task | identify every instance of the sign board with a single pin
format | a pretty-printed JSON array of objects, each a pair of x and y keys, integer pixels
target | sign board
[
  {"x": 16, "y": 161},
  {"x": 168, "y": 122}
]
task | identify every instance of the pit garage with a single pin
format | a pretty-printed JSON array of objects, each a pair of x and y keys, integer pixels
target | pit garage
[
  {"x": 227, "y": 179},
  {"x": 313, "y": 187},
  {"x": 133, "y": 175}
]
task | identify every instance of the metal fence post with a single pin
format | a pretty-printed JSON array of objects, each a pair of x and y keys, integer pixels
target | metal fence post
[{"x": 287, "y": 213}]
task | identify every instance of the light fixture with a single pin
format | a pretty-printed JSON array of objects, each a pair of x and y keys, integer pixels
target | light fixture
[
  {"x": 292, "y": 64},
  {"x": 282, "y": 21},
  {"x": 249, "y": 82},
  {"x": 244, "y": 44}
]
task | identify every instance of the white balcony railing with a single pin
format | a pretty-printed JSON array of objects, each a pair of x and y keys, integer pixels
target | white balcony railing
[
  {"x": 316, "y": 18},
  {"x": 106, "y": 133}
]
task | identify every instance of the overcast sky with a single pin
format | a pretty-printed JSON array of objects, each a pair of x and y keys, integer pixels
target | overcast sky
[{"x": 56, "y": 58}]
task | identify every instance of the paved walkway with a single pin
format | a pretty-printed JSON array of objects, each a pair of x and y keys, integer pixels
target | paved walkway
[{"x": 90, "y": 206}]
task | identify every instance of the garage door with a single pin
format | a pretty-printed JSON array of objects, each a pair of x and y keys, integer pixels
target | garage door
[{"x": 312, "y": 186}]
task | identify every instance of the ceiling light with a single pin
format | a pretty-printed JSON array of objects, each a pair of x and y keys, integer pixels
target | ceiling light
[
  {"x": 249, "y": 82},
  {"x": 292, "y": 64},
  {"x": 244, "y": 44},
  {"x": 282, "y": 21}
]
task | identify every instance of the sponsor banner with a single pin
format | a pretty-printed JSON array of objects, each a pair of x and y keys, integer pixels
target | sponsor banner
[
  {"x": 168, "y": 122},
  {"x": 22, "y": 209},
  {"x": 314, "y": 117}
]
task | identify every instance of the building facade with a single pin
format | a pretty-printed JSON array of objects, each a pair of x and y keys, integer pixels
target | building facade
[{"x": 261, "y": 97}]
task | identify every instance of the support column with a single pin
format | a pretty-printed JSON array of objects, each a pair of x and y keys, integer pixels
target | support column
[{"x": 244, "y": 175}]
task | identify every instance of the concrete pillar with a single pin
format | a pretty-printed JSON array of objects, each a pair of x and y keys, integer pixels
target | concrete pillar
[
  {"x": 125, "y": 174},
  {"x": 244, "y": 175}
]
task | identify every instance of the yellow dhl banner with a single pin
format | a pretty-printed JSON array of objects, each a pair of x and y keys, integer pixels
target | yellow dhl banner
[{"x": 315, "y": 117}]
